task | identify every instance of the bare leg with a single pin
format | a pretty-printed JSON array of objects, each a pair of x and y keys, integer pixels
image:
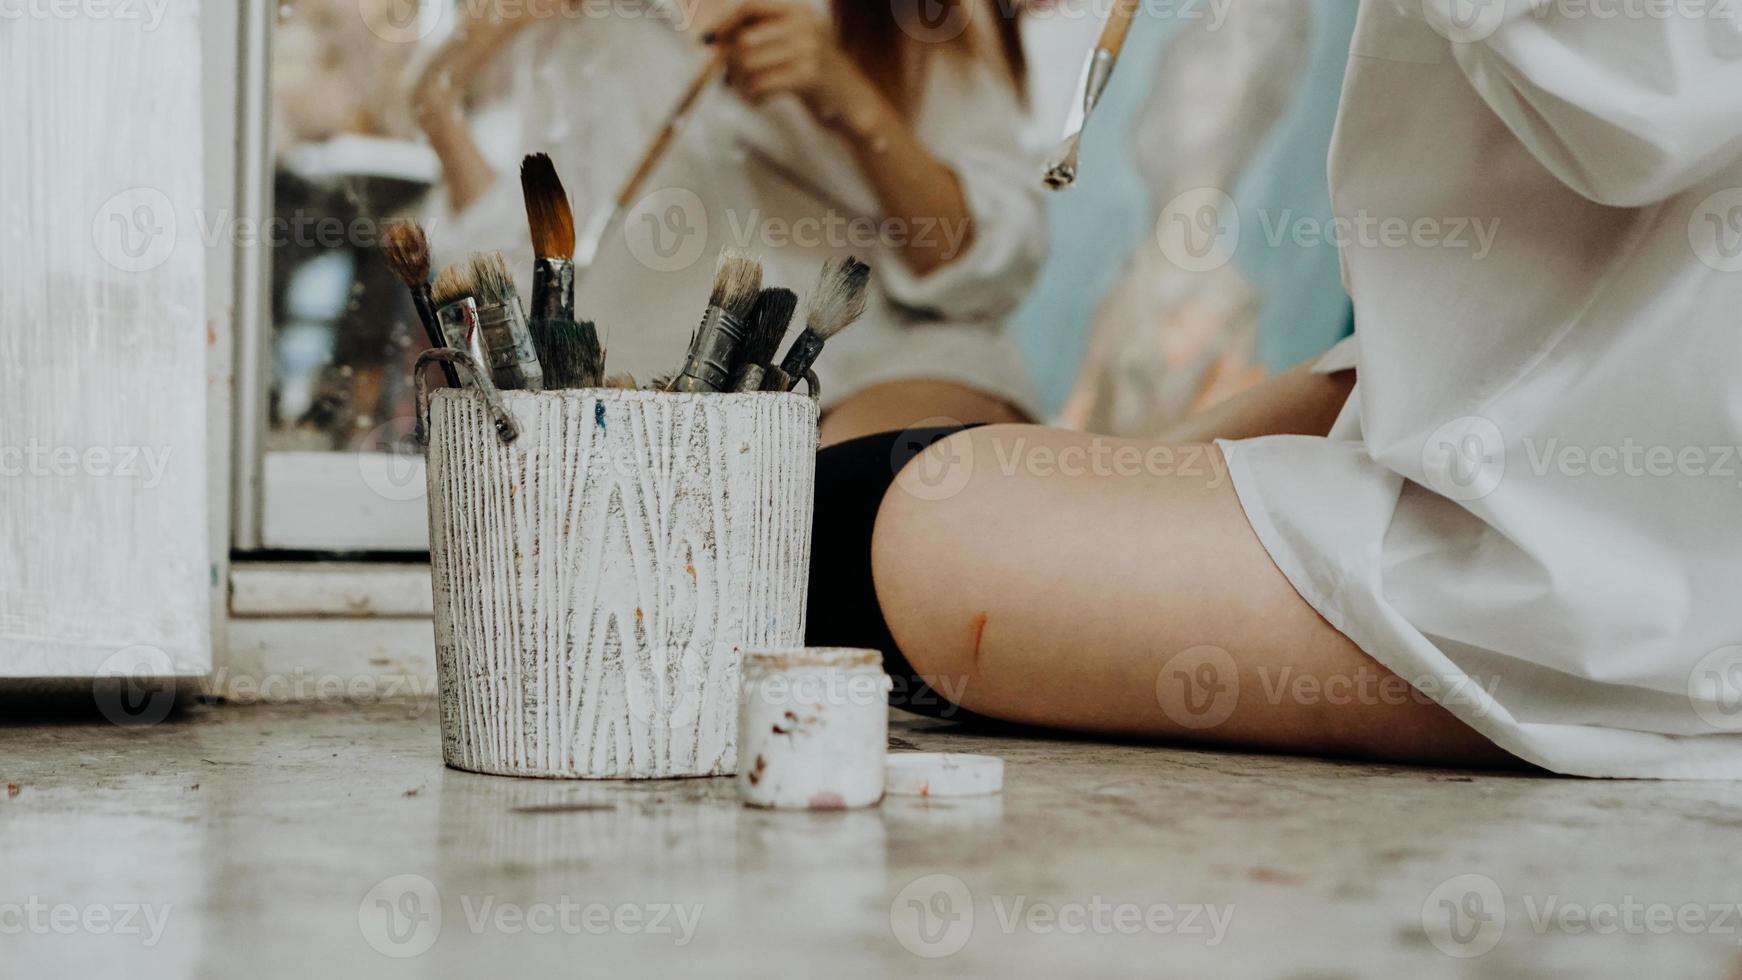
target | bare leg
[
  {"x": 1030, "y": 575},
  {"x": 903, "y": 404}
]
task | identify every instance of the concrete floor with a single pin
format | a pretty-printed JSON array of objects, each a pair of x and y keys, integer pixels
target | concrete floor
[{"x": 328, "y": 840}]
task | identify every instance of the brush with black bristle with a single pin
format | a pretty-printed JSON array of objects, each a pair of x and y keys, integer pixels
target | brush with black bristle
[
  {"x": 714, "y": 349},
  {"x": 513, "y": 362},
  {"x": 407, "y": 249},
  {"x": 768, "y": 322},
  {"x": 568, "y": 350},
  {"x": 840, "y": 298}
]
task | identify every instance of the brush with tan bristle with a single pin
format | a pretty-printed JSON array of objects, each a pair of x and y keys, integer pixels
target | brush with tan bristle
[
  {"x": 502, "y": 324},
  {"x": 568, "y": 349},
  {"x": 407, "y": 249},
  {"x": 455, "y": 298},
  {"x": 714, "y": 349},
  {"x": 768, "y": 323},
  {"x": 842, "y": 291}
]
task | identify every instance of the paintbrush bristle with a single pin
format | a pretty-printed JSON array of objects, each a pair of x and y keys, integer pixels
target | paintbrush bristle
[
  {"x": 548, "y": 213},
  {"x": 1062, "y": 172},
  {"x": 840, "y": 297},
  {"x": 407, "y": 251},
  {"x": 492, "y": 278},
  {"x": 768, "y": 322},
  {"x": 737, "y": 283},
  {"x": 454, "y": 283}
]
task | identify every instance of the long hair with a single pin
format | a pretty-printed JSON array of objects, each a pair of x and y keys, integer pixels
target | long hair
[{"x": 887, "y": 39}]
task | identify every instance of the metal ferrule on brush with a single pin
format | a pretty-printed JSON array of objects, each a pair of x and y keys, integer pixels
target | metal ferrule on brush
[
  {"x": 553, "y": 289},
  {"x": 1096, "y": 78},
  {"x": 799, "y": 358},
  {"x": 512, "y": 359},
  {"x": 750, "y": 378},
  {"x": 711, "y": 355},
  {"x": 459, "y": 325}
]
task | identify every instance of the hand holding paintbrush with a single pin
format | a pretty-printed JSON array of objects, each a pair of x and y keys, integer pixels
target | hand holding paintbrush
[{"x": 588, "y": 250}]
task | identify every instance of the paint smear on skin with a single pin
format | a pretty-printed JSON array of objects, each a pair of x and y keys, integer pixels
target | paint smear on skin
[
  {"x": 599, "y": 415},
  {"x": 977, "y": 627}
]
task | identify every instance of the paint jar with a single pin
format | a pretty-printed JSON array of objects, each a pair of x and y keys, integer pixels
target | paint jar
[
  {"x": 599, "y": 558},
  {"x": 813, "y": 728}
]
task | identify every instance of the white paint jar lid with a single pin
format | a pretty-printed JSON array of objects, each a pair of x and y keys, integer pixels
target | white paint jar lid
[{"x": 942, "y": 774}]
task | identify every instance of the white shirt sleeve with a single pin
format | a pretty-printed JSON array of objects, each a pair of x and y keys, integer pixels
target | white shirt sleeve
[
  {"x": 1625, "y": 110},
  {"x": 971, "y": 120}
]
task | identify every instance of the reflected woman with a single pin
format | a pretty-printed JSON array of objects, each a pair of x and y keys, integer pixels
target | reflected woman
[{"x": 844, "y": 128}]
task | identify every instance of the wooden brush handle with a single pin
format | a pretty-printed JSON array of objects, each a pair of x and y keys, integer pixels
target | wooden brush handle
[
  {"x": 1118, "y": 25},
  {"x": 661, "y": 143}
]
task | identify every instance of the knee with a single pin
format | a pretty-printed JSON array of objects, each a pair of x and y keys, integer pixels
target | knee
[{"x": 927, "y": 557}]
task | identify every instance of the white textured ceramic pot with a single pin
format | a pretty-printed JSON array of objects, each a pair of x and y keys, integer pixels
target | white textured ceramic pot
[{"x": 596, "y": 579}]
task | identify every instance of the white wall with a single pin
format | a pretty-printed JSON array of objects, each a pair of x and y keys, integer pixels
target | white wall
[{"x": 104, "y": 558}]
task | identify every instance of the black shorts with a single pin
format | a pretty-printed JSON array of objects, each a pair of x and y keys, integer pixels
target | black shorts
[{"x": 852, "y": 478}]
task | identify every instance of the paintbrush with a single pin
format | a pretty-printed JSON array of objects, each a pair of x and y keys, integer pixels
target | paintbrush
[
  {"x": 768, "y": 322},
  {"x": 407, "y": 249},
  {"x": 1097, "y": 72},
  {"x": 568, "y": 350},
  {"x": 839, "y": 299},
  {"x": 588, "y": 250},
  {"x": 714, "y": 348},
  {"x": 454, "y": 297},
  {"x": 502, "y": 323}
]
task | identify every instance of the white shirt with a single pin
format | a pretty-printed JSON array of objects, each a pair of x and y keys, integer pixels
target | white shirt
[
  {"x": 1531, "y": 507},
  {"x": 593, "y": 92}
]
